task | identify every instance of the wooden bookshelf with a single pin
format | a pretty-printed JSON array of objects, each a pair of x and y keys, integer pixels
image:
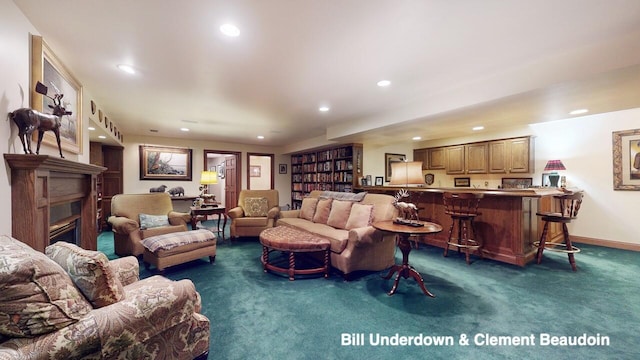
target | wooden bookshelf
[{"x": 336, "y": 168}]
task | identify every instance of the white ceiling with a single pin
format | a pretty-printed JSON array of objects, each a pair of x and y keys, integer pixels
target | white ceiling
[{"x": 453, "y": 64}]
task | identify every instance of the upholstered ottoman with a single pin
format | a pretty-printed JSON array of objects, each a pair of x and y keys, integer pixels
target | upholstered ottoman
[
  {"x": 176, "y": 248},
  {"x": 291, "y": 240}
]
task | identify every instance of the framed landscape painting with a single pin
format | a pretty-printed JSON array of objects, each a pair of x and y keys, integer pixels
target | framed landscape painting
[
  {"x": 46, "y": 68},
  {"x": 165, "y": 163},
  {"x": 626, "y": 160},
  {"x": 388, "y": 159}
]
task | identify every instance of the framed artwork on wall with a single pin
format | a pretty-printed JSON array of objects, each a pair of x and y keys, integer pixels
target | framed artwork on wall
[
  {"x": 462, "y": 182},
  {"x": 626, "y": 160},
  {"x": 165, "y": 163},
  {"x": 255, "y": 171},
  {"x": 388, "y": 159},
  {"x": 282, "y": 168},
  {"x": 517, "y": 183},
  {"x": 49, "y": 70}
]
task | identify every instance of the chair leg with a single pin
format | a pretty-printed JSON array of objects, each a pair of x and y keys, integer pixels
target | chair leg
[
  {"x": 446, "y": 246},
  {"x": 465, "y": 241},
  {"x": 567, "y": 241},
  {"x": 460, "y": 226},
  {"x": 473, "y": 233},
  {"x": 543, "y": 239}
]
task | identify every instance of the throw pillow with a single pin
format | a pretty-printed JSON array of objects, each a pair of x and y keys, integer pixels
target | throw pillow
[
  {"x": 339, "y": 214},
  {"x": 151, "y": 221},
  {"x": 323, "y": 210},
  {"x": 360, "y": 216},
  {"x": 90, "y": 271},
  {"x": 37, "y": 295},
  {"x": 308, "y": 208},
  {"x": 256, "y": 207}
]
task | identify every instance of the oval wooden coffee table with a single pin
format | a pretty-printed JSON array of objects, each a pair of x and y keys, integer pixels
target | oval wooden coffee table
[
  {"x": 404, "y": 232},
  {"x": 291, "y": 240}
]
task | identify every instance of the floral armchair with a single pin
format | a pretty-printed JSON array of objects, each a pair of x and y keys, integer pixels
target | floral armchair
[{"x": 76, "y": 304}]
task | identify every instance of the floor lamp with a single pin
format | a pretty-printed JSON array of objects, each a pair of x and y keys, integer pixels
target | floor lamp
[{"x": 406, "y": 173}]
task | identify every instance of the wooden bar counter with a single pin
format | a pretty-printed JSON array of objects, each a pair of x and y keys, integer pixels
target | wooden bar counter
[{"x": 507, "y": 226}]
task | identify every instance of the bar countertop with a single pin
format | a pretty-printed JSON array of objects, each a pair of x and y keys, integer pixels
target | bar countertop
[{"x": 528, "y": 192}]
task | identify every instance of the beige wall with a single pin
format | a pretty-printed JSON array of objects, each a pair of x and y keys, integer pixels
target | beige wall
[{"x": 133, "y": 184}]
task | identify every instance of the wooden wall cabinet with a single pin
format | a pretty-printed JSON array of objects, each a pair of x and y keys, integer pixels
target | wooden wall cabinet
[
  {"x": 422, "y": 155},
  {"x": 437, "y": 158},
  {"x": 455, "y": 159},
  {"x": 505, "y": 156},
  {"x": 511, "y": 156},
  {"x": 476, "y": 158},
  {"x": 336, "y": 168}
]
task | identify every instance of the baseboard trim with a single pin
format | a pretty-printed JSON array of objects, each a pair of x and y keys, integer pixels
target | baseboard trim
[{"x": 606, "y": 243}]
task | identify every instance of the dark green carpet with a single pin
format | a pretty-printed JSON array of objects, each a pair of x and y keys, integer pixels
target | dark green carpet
[{"x": 257, "y": 315}]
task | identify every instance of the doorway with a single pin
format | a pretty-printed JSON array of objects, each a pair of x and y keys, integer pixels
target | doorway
[
  {"x": 260, "y": 171},
  {"x": 226, "y": 164}
]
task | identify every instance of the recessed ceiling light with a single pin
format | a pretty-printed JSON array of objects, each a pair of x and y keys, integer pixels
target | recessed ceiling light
[
  {"x": 91, "y": 128},
  {"x": 230, "y": 30},
  {"x": 383, "y": 83},
  {"x": 323, "y": 108},
  {"x": 578, "y": 111},
  {"x": 184, "y": 129},
  {"x": 260, "y": 137},
  {"x": 127, "y": 68},
  {"x": 477, "y": 128},
  {"x": 102, "y": 137},
  {"x": 416, "y": 138}
]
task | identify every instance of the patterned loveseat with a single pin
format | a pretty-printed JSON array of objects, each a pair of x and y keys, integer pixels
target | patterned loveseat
[{"x": 76, "y": 304}]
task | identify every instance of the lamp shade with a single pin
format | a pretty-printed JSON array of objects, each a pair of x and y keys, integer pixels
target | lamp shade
[
  {"x": 553, "y": 165},
  {"x": 208, "y": 177},
  {"x": 406, "y": 173}
]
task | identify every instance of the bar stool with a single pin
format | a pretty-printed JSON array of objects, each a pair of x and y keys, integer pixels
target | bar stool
[
  {"x": 463, "y": 209},
  {"x": 569, "y": 204}
]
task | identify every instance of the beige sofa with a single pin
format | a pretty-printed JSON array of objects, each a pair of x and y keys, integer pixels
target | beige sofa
[
  {"x": 125, "y": 220},
  {"x": 355, "y": 244},
  {"x": 76, "y": 304},
  {"x": 257, "y": 210}
]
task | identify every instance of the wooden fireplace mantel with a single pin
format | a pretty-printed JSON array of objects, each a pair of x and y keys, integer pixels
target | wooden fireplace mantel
[{"x": 39, "y": 182}]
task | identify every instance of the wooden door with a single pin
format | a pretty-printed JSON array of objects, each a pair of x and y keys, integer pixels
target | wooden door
[
  {"x": 498, "y": 156},
  {"x": 231, "y": 182}
]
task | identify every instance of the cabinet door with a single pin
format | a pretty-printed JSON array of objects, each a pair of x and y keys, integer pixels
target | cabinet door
[
  {"x": 422, "y": 155},
  {"x": 498, "y": 156},
  {"x": 455, "y": 159},
  {"x": 476, "y": 158},
  {"x": 436, "y": 158},
  {"x": 520, "y": 156}
]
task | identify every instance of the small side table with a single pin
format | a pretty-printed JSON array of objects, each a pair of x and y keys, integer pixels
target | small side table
[
  {"x": 201, "y": 213},
  {"x": 404, "y": 232}
]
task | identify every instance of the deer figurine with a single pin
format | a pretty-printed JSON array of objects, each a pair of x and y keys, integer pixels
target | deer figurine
[
  {"x": 29, "y": 120},
  {"x": 408, "y": 211}
]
